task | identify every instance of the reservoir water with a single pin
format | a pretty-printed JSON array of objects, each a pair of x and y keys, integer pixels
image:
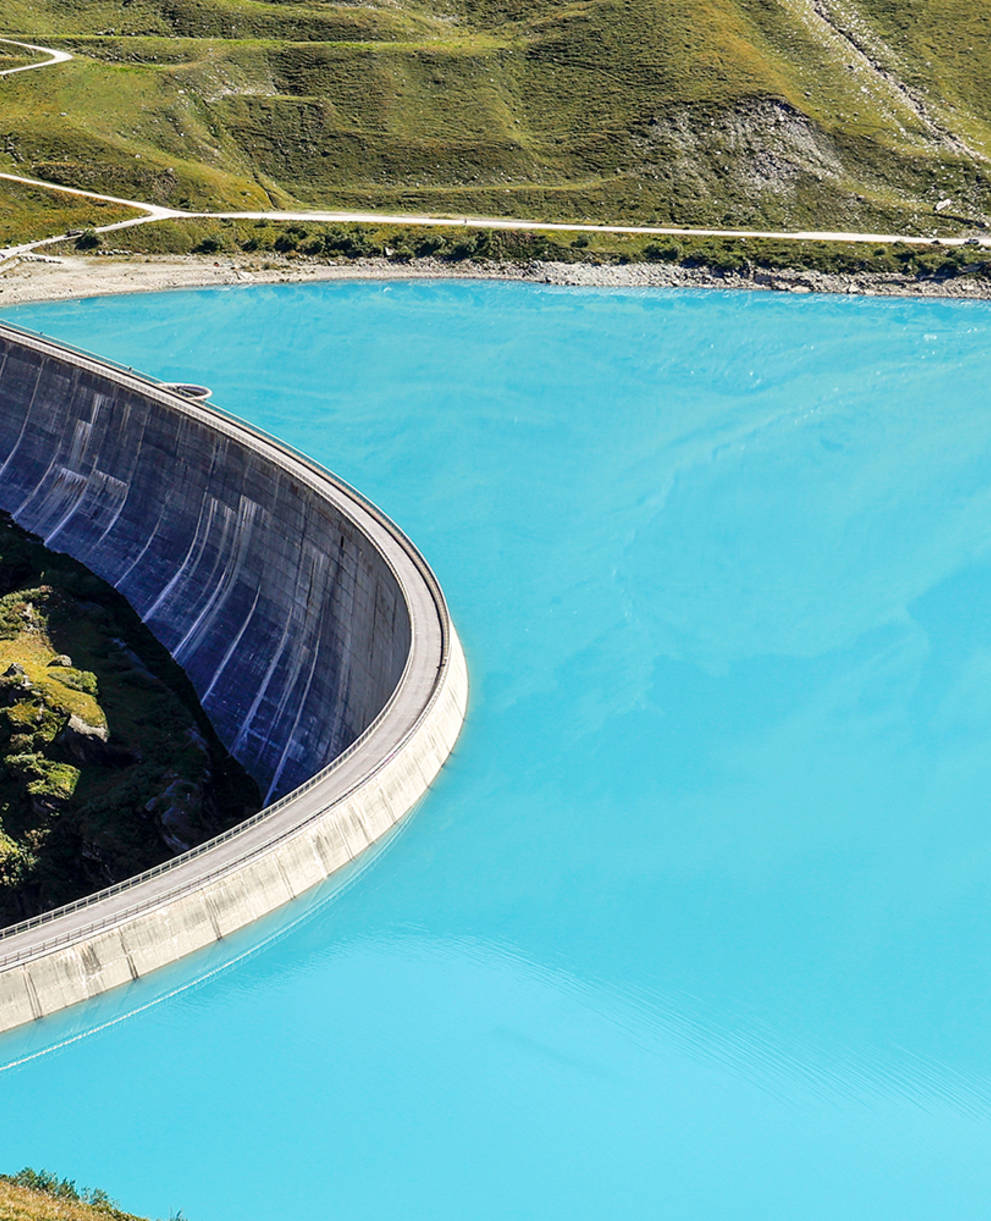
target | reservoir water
[{"x": 697, "y": 923}]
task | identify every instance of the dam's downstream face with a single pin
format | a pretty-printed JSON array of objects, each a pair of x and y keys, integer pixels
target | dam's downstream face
[
  {"x": 224, "y": 556},
  {"x": 696, "y": 923}
]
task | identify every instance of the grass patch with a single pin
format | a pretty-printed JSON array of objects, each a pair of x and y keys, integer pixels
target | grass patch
[
  {"x": 27, "y": 213},
  {"x": 10, "y": 57}
]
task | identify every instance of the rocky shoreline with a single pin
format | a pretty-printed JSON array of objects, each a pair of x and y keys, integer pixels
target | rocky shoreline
[
  {"x": 33, "y": 279},
  {"x": 654, "y": 275}
]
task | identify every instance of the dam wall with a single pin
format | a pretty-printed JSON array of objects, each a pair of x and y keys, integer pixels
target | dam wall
[
  {"x": 290, "y": 625},
  {"x": 314, "y": 633}
]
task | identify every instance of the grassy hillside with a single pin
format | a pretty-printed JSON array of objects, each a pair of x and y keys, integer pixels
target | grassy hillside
[
  {"x": 107, "y": 764},
  {"x": 14, "y": 57},
  {"x": 47, "y": 213},
  {"x": 722, "y": 112}
]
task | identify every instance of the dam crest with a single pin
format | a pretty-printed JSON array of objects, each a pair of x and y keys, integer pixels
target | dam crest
[{"x": 314, "y": 633}]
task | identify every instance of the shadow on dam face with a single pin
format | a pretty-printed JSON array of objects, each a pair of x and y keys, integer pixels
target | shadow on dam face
[
  {"x": 314, "y": 633},
  {"x": 287, "y": 619}
]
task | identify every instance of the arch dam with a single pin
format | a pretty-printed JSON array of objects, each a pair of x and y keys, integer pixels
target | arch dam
[{"x": 315, "y": 634}]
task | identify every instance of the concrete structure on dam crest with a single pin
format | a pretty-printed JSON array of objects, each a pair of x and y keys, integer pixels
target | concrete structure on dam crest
[{"x": 315, "y": 634}]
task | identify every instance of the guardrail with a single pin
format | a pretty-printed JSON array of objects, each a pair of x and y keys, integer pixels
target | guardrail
[{"x": 315, "y": 469}]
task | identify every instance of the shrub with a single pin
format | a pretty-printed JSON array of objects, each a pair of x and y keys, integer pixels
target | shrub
[
  {"x": 430, "y": 243},
  {"x": 654, "y": 252},
  {"x": 44, "y": 1180},
  {"x": 349, "y": 243},
  {"x": 479, "y": 246},
  {"x": 292, "y": 237}
]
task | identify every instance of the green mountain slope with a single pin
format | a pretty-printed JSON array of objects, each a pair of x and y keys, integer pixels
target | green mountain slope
[{"x": 791, "y": 114}]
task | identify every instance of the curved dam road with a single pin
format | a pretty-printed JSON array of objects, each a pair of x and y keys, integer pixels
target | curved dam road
[{"x": 314, "y": 632}]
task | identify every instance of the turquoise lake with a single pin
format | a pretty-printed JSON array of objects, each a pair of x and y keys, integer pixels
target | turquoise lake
[{"x": 696, "y": 924}]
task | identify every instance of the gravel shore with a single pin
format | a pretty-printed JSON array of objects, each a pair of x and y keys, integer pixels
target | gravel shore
[{"x": 35, "y": 279}]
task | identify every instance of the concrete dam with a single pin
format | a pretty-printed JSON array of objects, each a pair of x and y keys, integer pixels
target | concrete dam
[{"x": 315, "y": 635}]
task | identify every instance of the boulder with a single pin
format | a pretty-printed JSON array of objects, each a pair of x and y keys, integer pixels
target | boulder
[
  {"x": 179, "y": 809},
  {"x": 88, "y": 743}
]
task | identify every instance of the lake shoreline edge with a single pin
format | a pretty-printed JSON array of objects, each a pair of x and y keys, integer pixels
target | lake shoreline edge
[{"x": 35, "y": 280}]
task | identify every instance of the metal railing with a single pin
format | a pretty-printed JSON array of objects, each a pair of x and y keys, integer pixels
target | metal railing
[{"x": 320, "y": 474}]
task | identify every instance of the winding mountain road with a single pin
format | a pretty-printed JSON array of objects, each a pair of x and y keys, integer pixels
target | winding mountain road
[
  {"x": 54, "y": 57},
  {"x": 149, "y": 213}
]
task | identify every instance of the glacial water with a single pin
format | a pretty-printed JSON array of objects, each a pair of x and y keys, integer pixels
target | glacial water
[{"x": 697, "y": 923}]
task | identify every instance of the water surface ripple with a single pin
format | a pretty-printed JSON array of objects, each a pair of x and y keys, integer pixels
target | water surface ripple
[{"x": 696, "y": 924}]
